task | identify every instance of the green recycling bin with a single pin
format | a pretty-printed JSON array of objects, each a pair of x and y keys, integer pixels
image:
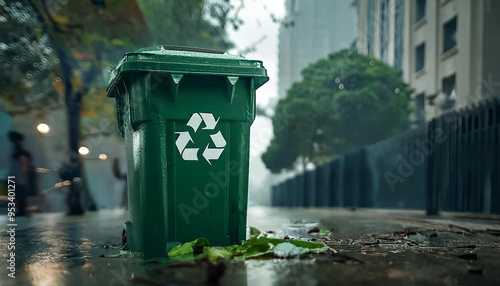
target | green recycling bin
[{"x": 185, "y": 114}]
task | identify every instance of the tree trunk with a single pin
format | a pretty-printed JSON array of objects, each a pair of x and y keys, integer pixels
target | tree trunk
[
  {"x": 73, "y": 116},
  {"x": 73, "y": 106},
  {"x": 73, "y": 102}
]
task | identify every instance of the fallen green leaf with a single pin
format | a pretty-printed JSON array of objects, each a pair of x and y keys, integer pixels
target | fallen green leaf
[
  {"x": 253, "y": 248},
  {"x": 300, "y": 243},
  {"x": 264, "y": 245},
  {"x": 256, "y": 247},
  {"x": 324, "y": 232},
  {"x": 254, "y": 232},
  {"x": 191, "y": 247},
  {"x": 215, "y": 253},
  {"x": 288, "y": 250},
  {"x": 235, "y": 249}
]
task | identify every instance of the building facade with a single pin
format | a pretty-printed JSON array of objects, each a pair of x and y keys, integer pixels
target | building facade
[
  {"x": 311, "y": 30},
  {"x": 444, "y": 48}
]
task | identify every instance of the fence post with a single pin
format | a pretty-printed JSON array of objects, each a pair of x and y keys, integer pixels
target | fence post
[
  {"x": 275, "y": 197},
  {"x": 301, "y": 190},
  {"x": 337, "y": 181},
  {"x": 495, "y": 170},
  {"x": 322, "y": 185},
  {"x": 351, "y": 179},
  {"x": 432, "y": 198},
  {"x": 290, "y": 193},
  {"x": 282, "y": 189},
  {"x": 365, "y": 186},
  {"x": 311, "y": 187},
  {"x": 454, "y": 130},
  {"x": 475, "y": 157}
]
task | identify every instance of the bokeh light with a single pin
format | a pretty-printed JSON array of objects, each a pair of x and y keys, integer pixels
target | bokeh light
[
  {"x": 43, "y": 128},
  {"x": 83, "y": 150}
]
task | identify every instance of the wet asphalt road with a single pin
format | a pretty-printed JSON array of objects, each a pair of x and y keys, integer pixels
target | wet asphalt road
[{"x": 375, "y": 247}]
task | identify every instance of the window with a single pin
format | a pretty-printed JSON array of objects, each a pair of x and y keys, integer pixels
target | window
[
  {"x": 448, "y": 85},
  {"x": 370, "y": 23},
  {"x": 398, "y": 34},
  {"x": 384, "y": 29},
  {"x": 420, "y": 10},
  {"x": 420, "y": 57},
  {"x": 450, "y": 34}
]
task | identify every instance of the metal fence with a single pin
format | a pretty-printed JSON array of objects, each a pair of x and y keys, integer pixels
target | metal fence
[{"x": 450, "y": 164}]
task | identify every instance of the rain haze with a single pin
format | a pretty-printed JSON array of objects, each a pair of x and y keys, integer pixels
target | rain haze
[
  {"x": 232, "y": 142},
  {"x": 257, "y": 38}
]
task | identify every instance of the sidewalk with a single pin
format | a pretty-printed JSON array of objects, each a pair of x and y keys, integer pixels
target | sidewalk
[{"x": 374, "y": 247}]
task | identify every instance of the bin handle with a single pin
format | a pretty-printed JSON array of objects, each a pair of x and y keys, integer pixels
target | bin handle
[{"x": 193, "y": 49}]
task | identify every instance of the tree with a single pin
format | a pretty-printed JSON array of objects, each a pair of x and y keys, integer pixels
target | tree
[
  {"x": 80, "y": 35},
  {"x": 27, "y": 63},
  {"x": 344, "y": 101},
  {"x": 57, "y": 53}
]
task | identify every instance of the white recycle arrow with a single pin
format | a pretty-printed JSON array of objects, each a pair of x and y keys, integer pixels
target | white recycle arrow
[
  {"x": 209, "y": 120},
  {"x": 218, "y": 140},
  {"x": 195, "y": 121},
  {"x": 212, "y": 153},
  {"x": 188, "y": 154},
  {"x": 191, "y": 154}
]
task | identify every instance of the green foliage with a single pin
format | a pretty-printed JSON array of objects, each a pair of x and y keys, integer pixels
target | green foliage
[
  {"x": 345, "y": 101},
  {"x": 27, "y": 62},
  {"x": 38, "y": 37},
  {"x": 58, "y": 49}
]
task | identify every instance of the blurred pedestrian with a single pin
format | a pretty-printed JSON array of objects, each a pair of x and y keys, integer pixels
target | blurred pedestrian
[{"x": 25, "y": 174}]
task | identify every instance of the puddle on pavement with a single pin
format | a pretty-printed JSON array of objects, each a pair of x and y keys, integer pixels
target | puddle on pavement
[{"x": 395, "y": 253}]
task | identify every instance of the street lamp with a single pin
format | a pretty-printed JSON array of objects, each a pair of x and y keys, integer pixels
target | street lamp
[
  {"x": 43, "y": 128},
  {"x": 83, "y": 150}
]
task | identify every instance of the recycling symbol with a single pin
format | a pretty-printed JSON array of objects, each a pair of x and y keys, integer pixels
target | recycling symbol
[{"x": 191, "y": 154}]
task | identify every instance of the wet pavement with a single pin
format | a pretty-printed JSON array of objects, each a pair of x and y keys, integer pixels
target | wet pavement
[{"x": 372, "y": 247}]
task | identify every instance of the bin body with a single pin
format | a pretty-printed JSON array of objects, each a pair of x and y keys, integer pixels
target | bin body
[{"x": 185, "y": 117}]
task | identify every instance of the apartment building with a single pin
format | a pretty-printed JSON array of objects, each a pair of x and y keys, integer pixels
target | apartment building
[{"x": 446, "y": 49}]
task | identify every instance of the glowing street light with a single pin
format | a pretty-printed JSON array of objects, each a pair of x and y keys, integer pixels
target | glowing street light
[
  {"x": 43, "y": 128},
  {"x": 103, "y": 156},
  {"x": 83, "y": 150}
]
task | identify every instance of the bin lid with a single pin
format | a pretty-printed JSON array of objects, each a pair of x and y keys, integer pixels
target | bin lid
[{"x": 187, "y": 60}]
